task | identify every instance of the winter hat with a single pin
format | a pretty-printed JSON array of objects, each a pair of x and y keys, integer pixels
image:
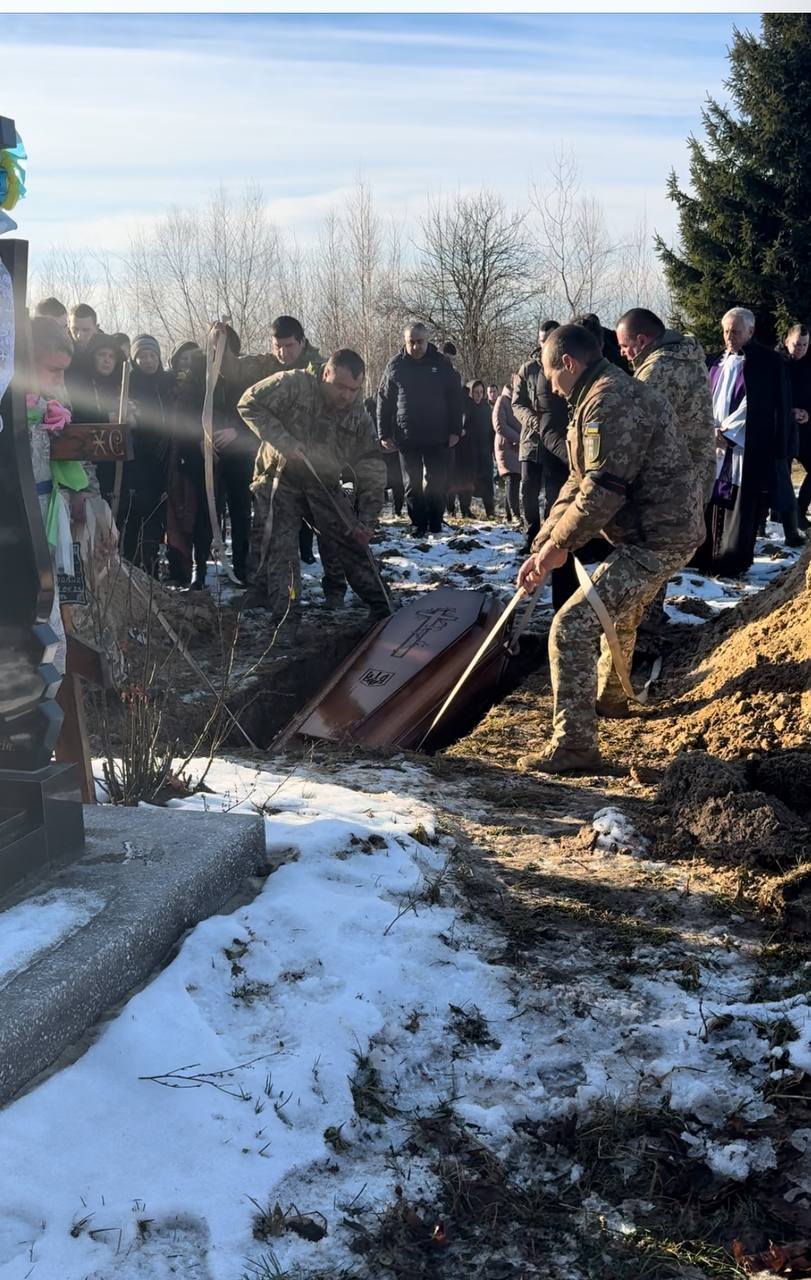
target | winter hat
[
  {"x": 104, "y": 342},
  {"x": 180, "y": 349},
  {"x": 145, "y": 342}
]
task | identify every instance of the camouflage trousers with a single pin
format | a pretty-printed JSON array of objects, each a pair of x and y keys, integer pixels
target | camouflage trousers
[
  {"x": 579, "y": 658},
  {"x": 278, "y": 577}
]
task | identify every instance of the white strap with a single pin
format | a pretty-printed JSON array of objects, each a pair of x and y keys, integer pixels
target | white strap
[
  {"x": 520, "y": 595},
  {"x": 618, "y": 657},
  {"x": 214, "y": 357}
]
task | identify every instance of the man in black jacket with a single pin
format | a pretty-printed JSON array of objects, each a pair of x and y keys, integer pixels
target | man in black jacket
[
  {"x": 798, "y": 367},
  {"x": 419, "y": 412},
  {"x": 542, "y": 450}
]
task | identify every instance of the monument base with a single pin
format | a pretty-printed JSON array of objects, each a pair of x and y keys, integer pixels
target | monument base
[{"x": 41, "y": 820}]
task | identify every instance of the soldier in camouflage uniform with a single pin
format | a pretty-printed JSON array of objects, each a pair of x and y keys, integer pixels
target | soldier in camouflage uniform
[
  {"x": 676, "y": 367},
  {"x": 630, "y": 481},
  {"x": 296, "y": 416},
  {"x": 291, "y": 349}
]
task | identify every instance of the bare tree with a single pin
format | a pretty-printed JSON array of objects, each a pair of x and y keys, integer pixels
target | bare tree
[
  {"x": 64, "y": 274},
  {"x": 197, "y": 266},
  {"x": 364, "y": 242},
  {"x": 331, "y": 270},
  {"x": 639, "y": 278},
  {"x": 575, "y": 249},
  {"x": 474, "y": 277}
]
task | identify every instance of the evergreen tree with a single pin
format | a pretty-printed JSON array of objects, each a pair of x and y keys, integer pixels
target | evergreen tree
[{"x": 745, "y": 232}]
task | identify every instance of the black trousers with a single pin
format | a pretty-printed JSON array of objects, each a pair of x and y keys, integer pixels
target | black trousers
[
  {"x": 804, "y": 458},
  {"x": 425, "y": 472},
  {"x": 142, "y": 518},
  {"x": 394, "y": 481},
  {"x": 484, "y": 489},
  {"x": 512, "y": 487},
  {"x": 234, "y": 475},
  {"x": 531, "y": 482}
]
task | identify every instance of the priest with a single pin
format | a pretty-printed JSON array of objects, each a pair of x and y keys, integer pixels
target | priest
[{"x": 751, "y": 412}]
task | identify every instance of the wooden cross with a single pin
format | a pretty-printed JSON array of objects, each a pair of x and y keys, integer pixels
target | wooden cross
[
  {"x": 84, "y": 662},
  {"x": 99, "y": 442}
]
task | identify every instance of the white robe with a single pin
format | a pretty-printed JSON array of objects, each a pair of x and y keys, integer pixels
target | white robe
[{"x": 732, "y": 424}]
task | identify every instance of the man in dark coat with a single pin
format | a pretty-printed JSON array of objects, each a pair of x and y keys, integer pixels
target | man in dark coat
[
  {"x": 419, "y": 412},
  {"x": 751, "y": 408},
  {"x": 798, "y": 366},
  {"x": 542, "y": 448}
]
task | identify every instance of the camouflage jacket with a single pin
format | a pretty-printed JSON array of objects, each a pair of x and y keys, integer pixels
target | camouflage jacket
[
  {"x": 675, "y": 366},
  {"x": 630, "y": 477},
  {"x": 289, "y": 414},
  {"x": 244, "y": 371}
]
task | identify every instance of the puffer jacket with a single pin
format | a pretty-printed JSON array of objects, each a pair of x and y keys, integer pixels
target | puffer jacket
[
  {"x": 543, "y": 417},
  {"x": 508, "y": 435},
  {"x": 419, "y": 403}
]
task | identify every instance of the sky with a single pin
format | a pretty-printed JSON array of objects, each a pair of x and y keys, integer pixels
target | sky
[{"x": 125, "y": 116}]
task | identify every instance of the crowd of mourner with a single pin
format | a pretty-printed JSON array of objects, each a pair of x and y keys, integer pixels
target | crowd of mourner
[{"x": 628, "y": 446}]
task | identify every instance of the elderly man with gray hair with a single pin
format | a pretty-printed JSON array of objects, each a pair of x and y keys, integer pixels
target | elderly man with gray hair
[
  {"x": 419, "y": 412},
  {"x": 751, "y": 412}
]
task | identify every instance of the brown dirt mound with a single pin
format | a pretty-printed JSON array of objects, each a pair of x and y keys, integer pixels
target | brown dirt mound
[
  {"x": 737, "y": 686},
  {"x": 708, "y": 804},
  {"x": 742, "y": 685}
]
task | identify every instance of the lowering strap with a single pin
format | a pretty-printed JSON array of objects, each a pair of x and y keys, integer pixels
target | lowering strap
[
  {"x": 215, "y": 350},
  {"x": 500, "y": 622},
  {"x": 618, "y": 657},
  {"x": 123, "y": 411}
]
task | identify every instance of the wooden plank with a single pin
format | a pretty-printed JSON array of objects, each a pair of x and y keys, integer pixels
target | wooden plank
[
  {"x": 88, "y": 661},
  {"x": 92, "y": 442},
  {"x": 73, "y": 744}
]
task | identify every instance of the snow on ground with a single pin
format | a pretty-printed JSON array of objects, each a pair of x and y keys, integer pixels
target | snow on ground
[
  {"x": 718, "y": 594},
  {"x": 485, "y": 555},
  {"x": 39, "y": 923},
  {"x": 342, "y": 970}
]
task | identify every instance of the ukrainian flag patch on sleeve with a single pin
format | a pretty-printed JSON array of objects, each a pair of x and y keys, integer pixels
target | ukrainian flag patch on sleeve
[{"x": 591, "y": 443}]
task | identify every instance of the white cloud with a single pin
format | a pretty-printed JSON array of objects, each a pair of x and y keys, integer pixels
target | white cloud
[{"x": 301, "y": 109}]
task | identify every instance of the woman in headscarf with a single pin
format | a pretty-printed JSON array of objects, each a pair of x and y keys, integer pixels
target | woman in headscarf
[
  {"x": 142, "y": 512},
  {"x": 478, "y": 441},
  {"x": 188, "y": 528},
  {"x": 95, "y": 394},
  {"x": 507, "y": 437}
]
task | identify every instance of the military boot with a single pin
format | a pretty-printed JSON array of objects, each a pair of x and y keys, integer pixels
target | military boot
[
  {"x": 562, "y": 759},
  {"x": 254, "y": 598},
  {"x": 614, "y": 707}
]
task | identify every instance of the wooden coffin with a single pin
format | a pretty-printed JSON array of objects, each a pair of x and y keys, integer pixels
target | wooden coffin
[{"x": 387, "y": 691}]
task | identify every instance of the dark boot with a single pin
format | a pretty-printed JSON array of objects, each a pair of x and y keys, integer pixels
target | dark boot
[{"x": 791, "y": 532}]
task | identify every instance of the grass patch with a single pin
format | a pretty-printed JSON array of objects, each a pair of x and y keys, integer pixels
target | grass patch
[
  {"x": 470, "y": 1026},
  {"x": 368, "y": 1093},
  {"x": 785, "y": 972}
]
